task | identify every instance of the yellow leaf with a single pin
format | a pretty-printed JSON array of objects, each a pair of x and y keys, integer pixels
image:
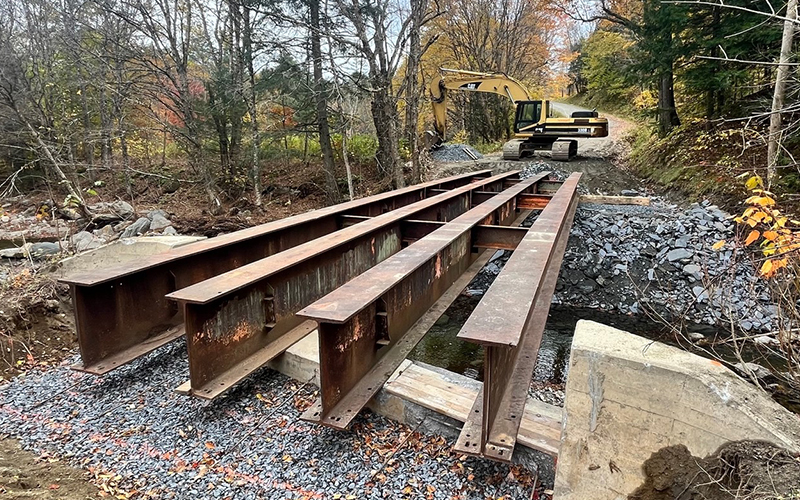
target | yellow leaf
[
  {"x": 753, "y": 236},
  {"x": 718, "y": 245},
  {"x": 749, "y": 211},
  {"x": 769, "y": 249},
  {"x": 751, "y": 222},
  {"x": 287, "y": 458},
  {"x": 759, "y": 216},
  {"x": 770, "y": 267},
  {"x": 754, "y": 182},
  {"x": 762, "y": 201}
]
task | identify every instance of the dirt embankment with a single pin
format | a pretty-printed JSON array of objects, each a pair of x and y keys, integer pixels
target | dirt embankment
[{"x": 742, "y": 470}]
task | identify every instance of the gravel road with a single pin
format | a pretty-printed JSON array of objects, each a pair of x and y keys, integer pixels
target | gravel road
[{"x": 136, "y": 435}]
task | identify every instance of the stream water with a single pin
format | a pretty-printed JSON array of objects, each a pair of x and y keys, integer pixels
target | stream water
[{"x": 441, "y": 348}]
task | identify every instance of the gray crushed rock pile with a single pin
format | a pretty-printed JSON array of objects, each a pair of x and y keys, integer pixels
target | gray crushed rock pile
[
  {"x": 455, "y": 152},
  {"x": 658, "y": 259},
  {"x": 249, "y": 444}
]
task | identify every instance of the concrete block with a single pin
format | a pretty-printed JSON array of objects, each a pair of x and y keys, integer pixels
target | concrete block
[
  {"x": 122, "y": 251},
  {"x": 627, "y": 397}
]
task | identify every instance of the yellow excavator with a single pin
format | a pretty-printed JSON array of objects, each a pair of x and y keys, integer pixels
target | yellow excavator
[{"x": 534, "y": 126}]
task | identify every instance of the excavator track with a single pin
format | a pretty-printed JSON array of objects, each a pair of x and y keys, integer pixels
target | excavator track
[
  {"x": 563, "y": 150},
  {"x": 512, "y": 150}
]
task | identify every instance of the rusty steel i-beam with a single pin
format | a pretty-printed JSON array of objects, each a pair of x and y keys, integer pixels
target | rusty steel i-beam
[
  {"x": 121, "y": 312},
  {"x": 368, "y": 326},
  {"x": 508, "y": 322},
  {"x": 239, "y": 320}
]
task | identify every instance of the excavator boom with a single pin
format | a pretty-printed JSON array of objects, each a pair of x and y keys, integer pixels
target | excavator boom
[{"x": 471, "y": 81}]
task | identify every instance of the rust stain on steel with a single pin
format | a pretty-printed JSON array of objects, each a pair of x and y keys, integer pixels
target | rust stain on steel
[
  {"x": 358, "y": 331},
  {"x": 236, "y": 320}
]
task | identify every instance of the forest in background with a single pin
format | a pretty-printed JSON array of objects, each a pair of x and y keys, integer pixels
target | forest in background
[
  {"x": 97, "y": 96},
  {"x": 228, "y": 97},
  {"x": 704, "y": 74}
]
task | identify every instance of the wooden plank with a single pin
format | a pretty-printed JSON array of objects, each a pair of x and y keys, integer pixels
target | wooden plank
[
  {"x": 541, "y": 422},
  {"x": 614, "y": 200}
]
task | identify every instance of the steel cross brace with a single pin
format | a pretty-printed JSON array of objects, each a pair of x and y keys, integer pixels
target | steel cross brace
[
  {"x": 509, "y": 322},
  {"x": 368, "y": 326},
  {"x": 239, "y": 320},
  {"x": 121, "y": 311}
]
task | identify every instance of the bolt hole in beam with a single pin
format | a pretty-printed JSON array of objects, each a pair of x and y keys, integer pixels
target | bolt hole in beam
[
  {"x": 414, "y": 287},
  {"x": 509, "y": 322},
  {"x": 121, "y": 311},
  {"x": 233, "y": 333}
]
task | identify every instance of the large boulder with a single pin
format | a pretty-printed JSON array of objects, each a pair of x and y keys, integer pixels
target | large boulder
[
  {"x": 85, "y": 240},
  {"x": 141, "y": 226},
  {"x": 106, "y": 212}
]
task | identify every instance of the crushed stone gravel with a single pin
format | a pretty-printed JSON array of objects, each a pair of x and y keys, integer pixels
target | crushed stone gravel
[
  {"x": 136, "y": 435},
  {"x": 455, "y": 152}
]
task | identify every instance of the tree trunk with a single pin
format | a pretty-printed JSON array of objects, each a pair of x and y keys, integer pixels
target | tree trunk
[
  {"x": 412, "y": 87},
  {"x": 255, "y": 137},
  {"x": 106, "y": 149},
  {"x": 346, "y": 161},
  {"x": 667, "y": 113},
  {"x": 88, "y": 145},
  {"x": 328, "y": 166},
  {"x": 384, "y": 116},
  {"x": 781, "y": 76}
]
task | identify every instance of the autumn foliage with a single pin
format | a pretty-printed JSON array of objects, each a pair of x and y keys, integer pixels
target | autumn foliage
[{"x": 774, "y": 234}]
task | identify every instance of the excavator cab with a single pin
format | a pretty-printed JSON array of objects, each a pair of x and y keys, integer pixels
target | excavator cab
[{"x": 528, "y": 113}]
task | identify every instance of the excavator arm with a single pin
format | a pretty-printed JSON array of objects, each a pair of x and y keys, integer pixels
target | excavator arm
[{"x": 471, "y": 81}]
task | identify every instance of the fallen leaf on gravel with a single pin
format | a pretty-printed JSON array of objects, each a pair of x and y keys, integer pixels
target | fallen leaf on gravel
[
  {"x": 54, "y": 486},
  {"x": 287, "y": 458}
]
